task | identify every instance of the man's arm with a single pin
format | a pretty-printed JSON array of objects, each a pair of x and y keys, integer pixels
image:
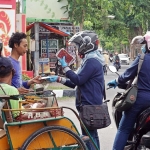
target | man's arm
[{"x": 130, "y": 73}]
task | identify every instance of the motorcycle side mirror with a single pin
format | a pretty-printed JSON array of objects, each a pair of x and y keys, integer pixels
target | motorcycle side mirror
[{"x": 112, "y": 69}]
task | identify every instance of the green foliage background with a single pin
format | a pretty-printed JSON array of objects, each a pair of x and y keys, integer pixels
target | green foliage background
[{"x": 132, "y": 17}]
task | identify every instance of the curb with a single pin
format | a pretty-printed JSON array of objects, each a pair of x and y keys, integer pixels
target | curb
[{"x": 64, "y": 93}]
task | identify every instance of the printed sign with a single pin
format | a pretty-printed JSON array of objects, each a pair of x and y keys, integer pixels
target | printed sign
[{"x": 51, "y": 44}]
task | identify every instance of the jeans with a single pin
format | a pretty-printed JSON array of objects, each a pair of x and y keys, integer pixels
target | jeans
[
  {"x": 94, "y": 135},
  {"x": 127, "y": 122}
]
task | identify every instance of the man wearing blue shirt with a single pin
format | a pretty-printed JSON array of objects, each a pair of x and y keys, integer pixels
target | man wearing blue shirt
[{"x": 19, "y": 45}]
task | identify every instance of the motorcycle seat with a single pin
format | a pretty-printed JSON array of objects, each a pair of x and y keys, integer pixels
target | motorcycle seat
[{"x": 146, "y": 139}]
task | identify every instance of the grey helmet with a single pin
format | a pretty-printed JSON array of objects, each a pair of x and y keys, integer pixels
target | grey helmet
[{"x": 85, "y": 41}]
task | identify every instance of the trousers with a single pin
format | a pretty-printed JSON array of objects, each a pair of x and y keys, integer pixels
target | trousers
[
  {"x": 128, "y": 120},
  {"x": 94, "y": 135}
]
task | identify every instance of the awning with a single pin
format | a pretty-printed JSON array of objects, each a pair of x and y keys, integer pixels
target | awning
[
  {"x": 48, "y": 27},
  {"x": 29, "y": 27}
]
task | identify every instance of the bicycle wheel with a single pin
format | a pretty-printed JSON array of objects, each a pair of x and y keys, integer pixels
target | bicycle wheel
[{"x": 54, "y": 138}]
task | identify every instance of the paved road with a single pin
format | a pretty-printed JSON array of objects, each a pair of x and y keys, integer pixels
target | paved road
[{"x": 107, "y": 134}]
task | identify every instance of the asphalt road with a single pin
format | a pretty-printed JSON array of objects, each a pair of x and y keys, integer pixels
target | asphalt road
[{"x": 106, "y": 135}]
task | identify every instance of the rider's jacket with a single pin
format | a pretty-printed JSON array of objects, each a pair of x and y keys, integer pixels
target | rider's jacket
[
  {"x": 89, "y": 81},
  {"x": 143, "y": 77}
]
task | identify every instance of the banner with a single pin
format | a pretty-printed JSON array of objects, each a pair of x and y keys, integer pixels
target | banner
[{"x": 7, "y": 27}]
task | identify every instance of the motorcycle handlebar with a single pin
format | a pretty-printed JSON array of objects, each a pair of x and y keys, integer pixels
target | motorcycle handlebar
[{"x": 120, "y": 86}]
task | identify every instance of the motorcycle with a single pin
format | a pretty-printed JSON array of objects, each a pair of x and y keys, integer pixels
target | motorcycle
[
  {"x": 116, "y": 64},
  {"x": 139, "y": 139}
]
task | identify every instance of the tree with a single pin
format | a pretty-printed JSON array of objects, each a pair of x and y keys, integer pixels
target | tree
[{"x": 132, "y": 17}]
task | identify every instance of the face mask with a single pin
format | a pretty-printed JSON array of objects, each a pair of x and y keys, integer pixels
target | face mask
[{"x": 143, "y": 48}]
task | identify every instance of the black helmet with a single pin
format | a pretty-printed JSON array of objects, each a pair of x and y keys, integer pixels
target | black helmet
[
  {"x": 86, "y": 41},
  {"x": 1, "y": 47}
]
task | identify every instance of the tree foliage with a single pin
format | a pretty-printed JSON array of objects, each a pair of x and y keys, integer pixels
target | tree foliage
[{"x": 132, "y": 17}]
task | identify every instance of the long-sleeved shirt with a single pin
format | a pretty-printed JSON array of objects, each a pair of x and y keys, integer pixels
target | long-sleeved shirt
[
  {"x": 106, "y": 59},
  {"x": 90, "y": 81},
  {"x": 143, "y": 77},
  {"x": 17, "y": 78}
]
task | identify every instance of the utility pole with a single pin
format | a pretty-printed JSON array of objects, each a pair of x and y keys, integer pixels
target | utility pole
[{"x": 36, "y": 53}]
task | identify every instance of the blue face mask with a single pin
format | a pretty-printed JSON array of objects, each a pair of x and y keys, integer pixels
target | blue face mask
[{"x": 143, "y": 48}]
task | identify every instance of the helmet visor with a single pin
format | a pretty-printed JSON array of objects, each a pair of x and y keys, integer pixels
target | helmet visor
[
  {"x": 77, "y": 38},
  {"x": 73, "y": 44}
]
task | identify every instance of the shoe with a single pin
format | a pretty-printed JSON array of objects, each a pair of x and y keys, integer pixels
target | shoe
[{"x": 84, "y": 138}]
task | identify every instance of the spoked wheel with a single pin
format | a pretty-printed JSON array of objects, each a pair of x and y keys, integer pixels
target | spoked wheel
[{"x": 54, "y": 138}]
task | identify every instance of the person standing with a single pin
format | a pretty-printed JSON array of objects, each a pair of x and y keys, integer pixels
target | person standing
[
  {"x": 89, "y": 78},
  {"x": 106, "y": 57},
  {"x": 19, "y": 45}
]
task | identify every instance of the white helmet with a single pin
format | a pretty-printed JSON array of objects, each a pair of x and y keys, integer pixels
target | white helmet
[
  {"x": 86, "y": 41},
  {"x": 147, "y": 40}
]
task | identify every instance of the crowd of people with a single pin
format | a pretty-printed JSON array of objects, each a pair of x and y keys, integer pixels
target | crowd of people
[{"x": 88, "y": 79}]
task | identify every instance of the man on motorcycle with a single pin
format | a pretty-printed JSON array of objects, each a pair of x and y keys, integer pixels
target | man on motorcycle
[
  {"x": 129, "y": 117},
  {"x": 1, "y": 47},
  {"x": 117, "y": 60}
]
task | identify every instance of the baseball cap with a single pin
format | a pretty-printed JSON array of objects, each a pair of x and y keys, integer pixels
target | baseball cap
[{"x": 5, "y": 66}]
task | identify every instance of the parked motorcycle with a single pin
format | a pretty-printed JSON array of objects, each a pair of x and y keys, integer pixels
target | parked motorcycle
[{"x": 139, "y": 139}]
